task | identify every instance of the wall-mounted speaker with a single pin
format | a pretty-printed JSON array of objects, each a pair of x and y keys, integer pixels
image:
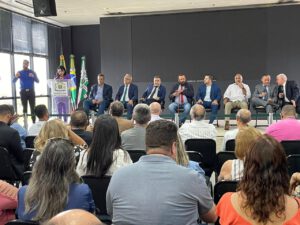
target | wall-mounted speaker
[{"x": 44, "y": 8}]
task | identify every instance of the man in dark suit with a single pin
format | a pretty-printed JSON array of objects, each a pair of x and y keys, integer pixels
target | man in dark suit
[
  {"x": 209, "y": 95},
  {"x": 264, "y": 94},
  {"x": 286, "y": 92},
  {"x": 181, "y": 96},
  {"x": 155, "y": 92},
  {"x": 79, "y": 122},
  {"x": 100, "y": 96},
  {"x": 128, "y": 94},
  {"x": 10, "y": 139}
]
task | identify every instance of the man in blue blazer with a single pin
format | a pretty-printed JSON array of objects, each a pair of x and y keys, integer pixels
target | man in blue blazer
[
  {"x": 209, "y": 95},
  {"x": 128, "y": 94},
  {"x": 100, "y": 96},
  {"x": 181, "y": 96},
  {"x": 155, "y": 92}
]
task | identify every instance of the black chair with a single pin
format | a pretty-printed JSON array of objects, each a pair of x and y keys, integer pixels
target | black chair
[
  {"x": 29, "y": 141},
  {"x": 207, "y": 148},
  {"x": 7, "y": 171},
  {"x": 26, "y": 177},
  {"x": 291, "y": 147},
  {"x": 22, "y": 222},
  {"x": 223, "y": 187},
  {"x": 135, "y": 155},
  {"x": 27, "y": 155},
  {"x": 222, "y": 157},
  {"x": 195, "y": 156},
  {"x": 262, "y": 110},
  {"x": 99, "y": 187},
  {"x": 230, "y": 145},
  {"x": 293, "y": 164}
]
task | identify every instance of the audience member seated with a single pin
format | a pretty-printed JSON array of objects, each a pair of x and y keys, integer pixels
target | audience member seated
[
  {"x": 54, "y": 185},
  {"x": 10, "y": 139},
  {"x": 197, "y": 128},
  {"x": 182, "y": 157},
  {"x": 8, "y": 202},
  {"x": 55, "y": 129},
  {"x": 243, "y": 118},
  {"x": 74, "y": 217},
  {"x": 100, "y": 97},
  {"x": 209, "y": 95},
  {"x": 264, "y": 94},
  {"x": 233, "y": 169},
  {"x": 236, "y": 96},
  {"x": 128, "y": 95},
  {"x": 181, "y": 96},
  {"x": 295, "y": 180},
  {"x": 79, "y": 122},
  {"x": 42, "y": 113},
  {"x": 134, "y": 138},
  {"x": 288, "y": 128},
  {"x": 263, "y": 196},
  {"x": 117, "y": 110},
  {"x": 21, "y": 130},
  {"x": 104, "y": 156},
  {"x": 148, "y": 192},
  {"x": 155, "y": 92},
  {"x": 155, "y": 109},
  {"x": 286, "y": 91}
]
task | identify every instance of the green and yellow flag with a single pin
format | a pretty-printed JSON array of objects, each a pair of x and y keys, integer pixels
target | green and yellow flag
[
  {"x": 84, "y": 82},
  {"x": 62, "y": 61},
  {"x": 73, "y": 88}
]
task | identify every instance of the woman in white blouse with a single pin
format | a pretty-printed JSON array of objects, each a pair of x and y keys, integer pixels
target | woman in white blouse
[{"x": 104, "y": 156}]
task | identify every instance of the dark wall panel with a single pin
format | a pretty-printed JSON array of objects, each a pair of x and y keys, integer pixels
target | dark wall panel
[{"x": 116, "y": 49}]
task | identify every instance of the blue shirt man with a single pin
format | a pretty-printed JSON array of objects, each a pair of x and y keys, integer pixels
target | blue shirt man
[{"x": 27, "y": 78}]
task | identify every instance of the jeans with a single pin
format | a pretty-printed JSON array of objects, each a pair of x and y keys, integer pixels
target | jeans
[
  {"x": 214, "y": 110},
  {"x": 174, "y": 107},
  {"x": 88, "y": 104}
]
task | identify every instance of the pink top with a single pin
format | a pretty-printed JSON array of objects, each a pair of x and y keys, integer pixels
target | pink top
[
  {"x": 229, "y": 216},
  {"x": 286, "y": 129}
]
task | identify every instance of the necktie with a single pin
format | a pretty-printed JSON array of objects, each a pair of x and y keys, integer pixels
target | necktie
[
  {"x": 153, "y": 92},
  {"x": 266, "y": 97},
  {"x": 181, "y": 95},
  {"x": 125, "y": 93}
]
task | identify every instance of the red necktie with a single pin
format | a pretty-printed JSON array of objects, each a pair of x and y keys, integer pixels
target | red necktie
[{"x": 181, "y": 95}]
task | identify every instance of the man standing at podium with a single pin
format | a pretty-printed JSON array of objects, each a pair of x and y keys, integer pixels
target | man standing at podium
[{"x": 27, "y": 78}]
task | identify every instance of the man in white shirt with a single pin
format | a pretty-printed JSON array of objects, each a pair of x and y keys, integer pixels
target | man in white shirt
[
  {"x": 243, "y": 117},
  {"x": 236, "y": 96},
  {"x": 155, "y": 110},
  {"x": 42, "y": 113},
  {"x": 197, "y": 128}
]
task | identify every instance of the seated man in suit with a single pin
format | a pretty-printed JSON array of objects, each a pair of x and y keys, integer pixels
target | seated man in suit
[
  {"x": 209, "y": 95},
  {"x": 100, "y": 96},
  {"x": 286, "y": 92},
  {"x": 128, "y": 94},
  {"x": 181, "y": 95},
  {"x": 264, "y": 94},
  {"x": 236, "y": 96},
  {"x": 155, "y": 92}
]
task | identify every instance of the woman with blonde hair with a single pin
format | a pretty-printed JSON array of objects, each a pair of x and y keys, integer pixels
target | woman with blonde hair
[
  {"x": 54, "y": 185},
  {"x": 54, "y": 129},
  {"x": 233, "y": 169}
]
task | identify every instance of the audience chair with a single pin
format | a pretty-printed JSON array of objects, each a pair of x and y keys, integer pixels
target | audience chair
[
  {"x": 195, "y": 156},
  {"x": 223, "y": 187},
  {"x": 136, "y": 154},
  {"x": 29, "y": 141},
  {"x": 291, "y": 147},
  {"x": 207, "y": 148},
  {"x": 222, "y": 157},
  {"x": 7, "y": 172},
  {"x": 26, "y": 177},
  {"x": 293, "y": 163},
  {"x": 27, "y": 152},
  {"x": 22, "y": 222},
  {"x": 99, "y": 187},
  {"x": 230, "y": 145}
]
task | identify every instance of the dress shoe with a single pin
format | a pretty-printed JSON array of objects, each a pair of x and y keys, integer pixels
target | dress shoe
[{"x": 227, "y": 126}]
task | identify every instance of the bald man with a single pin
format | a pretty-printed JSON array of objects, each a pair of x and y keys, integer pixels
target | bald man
[
  {"x": 197, "y": 128},
  {"x": 155, "y": 110},
  {"x": 74, "y": 217}
]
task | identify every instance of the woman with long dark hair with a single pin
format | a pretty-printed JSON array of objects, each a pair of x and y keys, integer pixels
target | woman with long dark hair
[
  {"x": 263, "y": 195},
  {"x": 54, "y": 185},
  {"x": 104, "y": 155}
]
